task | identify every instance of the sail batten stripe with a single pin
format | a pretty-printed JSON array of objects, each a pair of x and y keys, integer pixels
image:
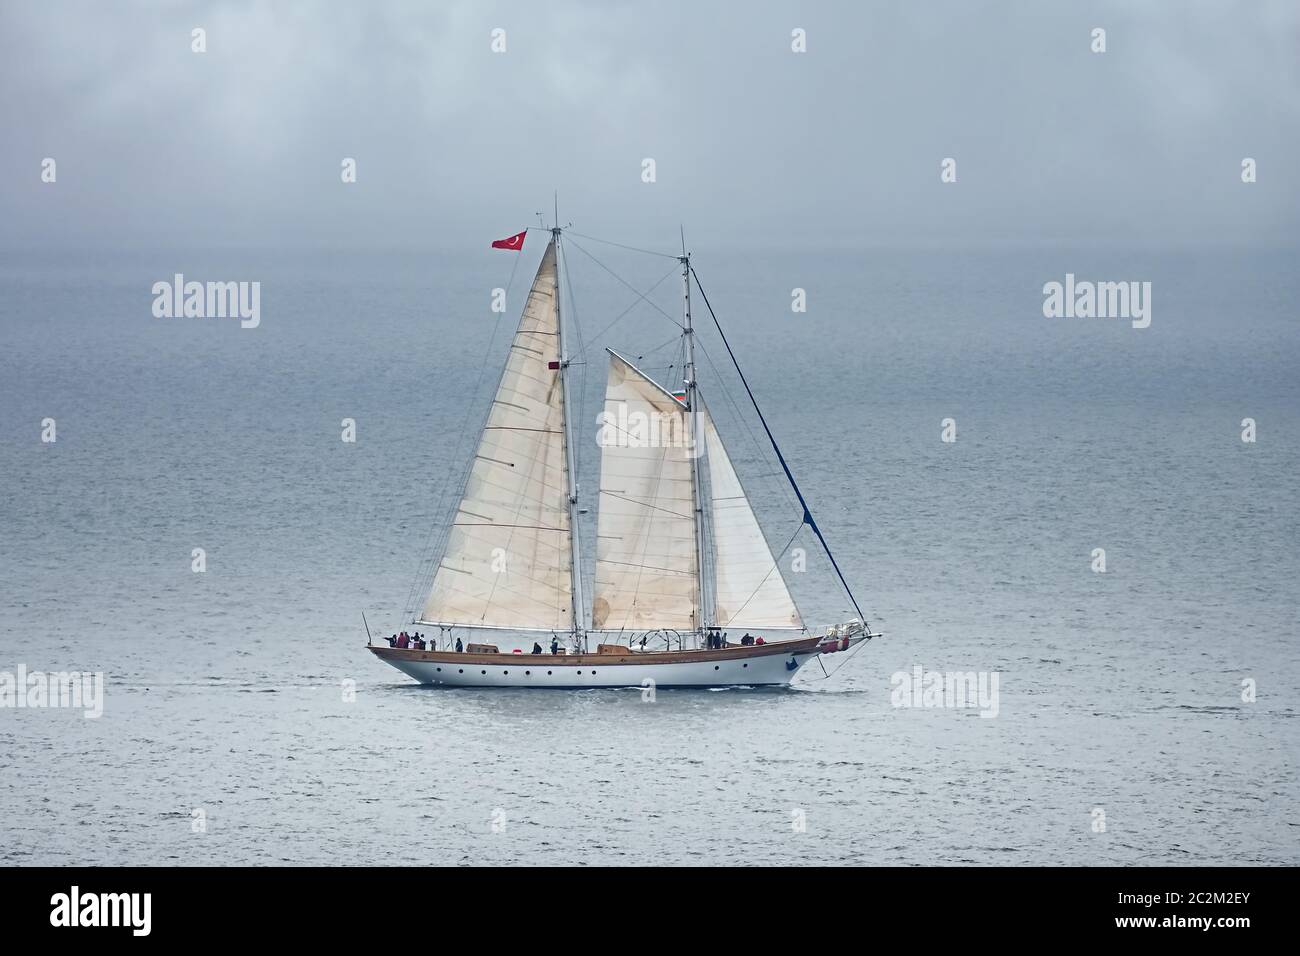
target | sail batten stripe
[{"x": 647, "y": 504}]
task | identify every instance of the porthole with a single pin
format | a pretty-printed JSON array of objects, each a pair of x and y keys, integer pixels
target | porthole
[
  {"x": 439, "y": 670},
  {"x": 715, "y": 667},
  {"x": 579, "y": 673},
  {"x": 462, "y": 670},
  {"x": 528, "y": 673},
  {"x": 482, "y": 672},
  {"x": 505, "y": 673},
  {"x": 744, "y": 665}
]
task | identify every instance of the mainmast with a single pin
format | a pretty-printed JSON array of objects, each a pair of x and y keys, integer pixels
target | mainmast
[
  {"x": 695, "y": 444},
  {"x": 578, "y": 631}
]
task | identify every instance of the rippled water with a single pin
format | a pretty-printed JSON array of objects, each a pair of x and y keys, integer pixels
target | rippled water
[{"x": 1119, "y": 691}]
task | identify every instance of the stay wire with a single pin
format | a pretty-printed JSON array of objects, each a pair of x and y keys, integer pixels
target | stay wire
[
  {"x": 648, "y": 252},
  {"x": 578, "y": 246}
]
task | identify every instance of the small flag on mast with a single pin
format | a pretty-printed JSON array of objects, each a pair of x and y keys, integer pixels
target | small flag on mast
[{"x": 514, "y": 243}]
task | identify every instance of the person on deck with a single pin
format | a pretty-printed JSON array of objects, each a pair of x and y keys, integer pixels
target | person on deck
[
  {"x": 460, "y": 648},
  {"x": 392, "y": 641},
  {"x": 403, "y": 640},
  {"x": 537, "y": 648},
  {"x": 555, "y": 645}
]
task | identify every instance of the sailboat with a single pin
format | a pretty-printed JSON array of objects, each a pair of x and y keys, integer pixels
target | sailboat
[{"x": 681, "y": 567}]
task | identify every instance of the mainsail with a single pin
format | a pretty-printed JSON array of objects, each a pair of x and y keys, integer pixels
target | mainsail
[
  {"x": 749, "y": 590},
  {"x": 508, "y": 558},
  {"x": 646, "y": 570}
]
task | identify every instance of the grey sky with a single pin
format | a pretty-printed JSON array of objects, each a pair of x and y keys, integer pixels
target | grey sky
[{"x": 242, "y": 145}]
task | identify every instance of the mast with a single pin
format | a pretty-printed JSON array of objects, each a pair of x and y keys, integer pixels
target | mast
[
  {"x": 694, "y": 443},
  {"x": 578, "y": 631}
]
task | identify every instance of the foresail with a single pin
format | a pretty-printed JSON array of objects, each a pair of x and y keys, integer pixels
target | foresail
[
  {"x": 646, "y": 574},
  {"x": 749, "y": 591},
  {"x": 507, "y": 561}
]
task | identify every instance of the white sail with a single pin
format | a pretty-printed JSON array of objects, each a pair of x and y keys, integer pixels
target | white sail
[
  {"x": 749, "y": 591},
  {"x": 507, "y": 561},
  {"x": 646, "y": 573}
]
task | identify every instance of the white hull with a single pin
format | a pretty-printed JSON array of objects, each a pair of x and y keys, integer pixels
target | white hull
[{"x": 557, "y": 672}]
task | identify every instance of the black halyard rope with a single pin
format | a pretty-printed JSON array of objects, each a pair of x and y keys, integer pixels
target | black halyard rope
[
  {"x": 807, "y": 513},
  {"x": 749, "y": 432}
]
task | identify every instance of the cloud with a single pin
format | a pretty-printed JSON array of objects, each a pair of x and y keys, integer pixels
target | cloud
[{"x": 842, "y": 144}]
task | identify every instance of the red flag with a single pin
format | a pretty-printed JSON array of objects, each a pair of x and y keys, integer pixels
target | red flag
[{"x": 514, "y": 243}]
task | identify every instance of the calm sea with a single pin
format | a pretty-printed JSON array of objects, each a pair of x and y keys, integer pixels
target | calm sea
[{"x": 1121, "y": 733}]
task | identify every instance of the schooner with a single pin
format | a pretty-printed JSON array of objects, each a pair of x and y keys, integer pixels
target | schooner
[{"x": 682, "y": 566}]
